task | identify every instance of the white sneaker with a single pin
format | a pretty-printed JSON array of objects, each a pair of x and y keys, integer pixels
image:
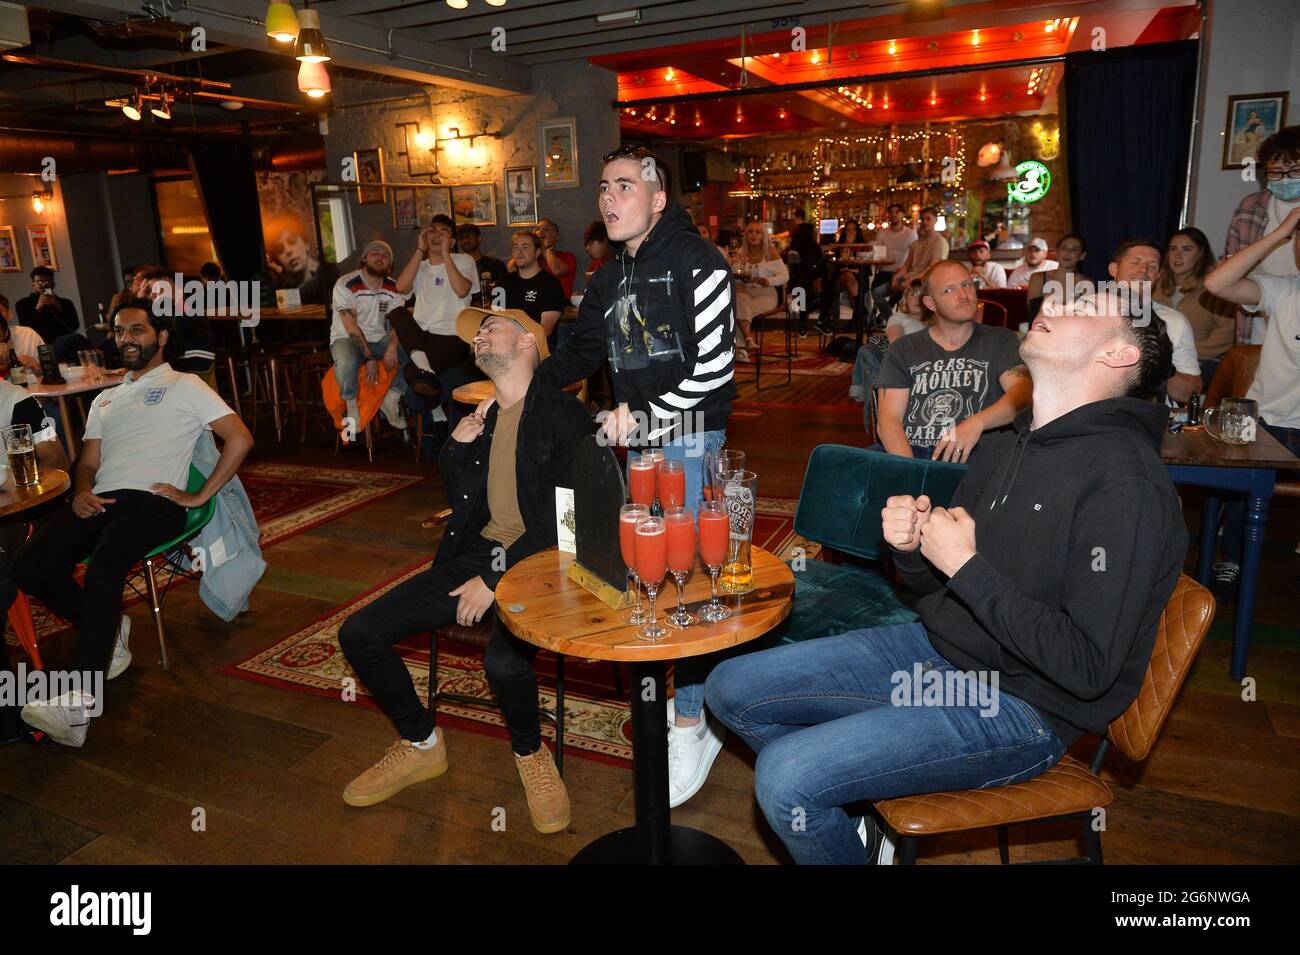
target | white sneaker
[
  {"x": 691, "y": 752},
  {"x": 881, "y": 852},
  {"x": 392, "y": 409},
  {"x": 64, "y": 719},
  {"x": 121, "y": 652}
]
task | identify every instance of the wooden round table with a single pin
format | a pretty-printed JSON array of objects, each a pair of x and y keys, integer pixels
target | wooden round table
[
  {"x": 472, "y": 392},
  {"x": 53, "y": 483},
  {"x": 539, "y": 604}
]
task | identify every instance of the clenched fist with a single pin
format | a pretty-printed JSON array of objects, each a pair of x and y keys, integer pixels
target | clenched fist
[{"x": 902, "y": 518}]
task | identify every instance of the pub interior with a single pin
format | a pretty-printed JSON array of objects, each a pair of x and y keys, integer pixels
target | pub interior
[{"x": 535, "y": 432}]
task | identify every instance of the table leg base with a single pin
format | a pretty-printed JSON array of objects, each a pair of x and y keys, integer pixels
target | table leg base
[{"x": 690, "y": 847}]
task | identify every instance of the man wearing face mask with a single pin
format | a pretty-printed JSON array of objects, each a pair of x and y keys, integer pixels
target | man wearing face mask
[{"x": 1262, "y": 213}]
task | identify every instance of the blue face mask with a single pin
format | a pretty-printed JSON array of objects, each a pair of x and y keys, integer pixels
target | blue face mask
[{"x": 1288, "y": 190}]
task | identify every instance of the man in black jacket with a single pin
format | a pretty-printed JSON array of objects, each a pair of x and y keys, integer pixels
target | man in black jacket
[
  {"x": 53, "y": 318},
  {"x": 662, "y": 312},
  {"x": 1043, "y": 585},
  {"x": 500, "y": 468}
]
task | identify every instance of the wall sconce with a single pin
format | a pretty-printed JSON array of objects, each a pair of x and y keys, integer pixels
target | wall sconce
[
  {"x": 456, "y": 137},
  {"x": 40, "y": 198}
]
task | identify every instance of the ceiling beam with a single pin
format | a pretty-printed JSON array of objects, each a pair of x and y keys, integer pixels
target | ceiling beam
[{"x": 356, "y": 44}]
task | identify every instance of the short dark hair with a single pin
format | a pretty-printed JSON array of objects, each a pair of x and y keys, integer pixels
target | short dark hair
[
  {"x": 160, "y": 323},
  {"x": 210, "y": 272},
  {"x": 150, "y": 272},
  {"x": 468, "y": 228},
  {"x": 1127, "y": 244},
  {"x": 1282, "y": 145},
  {"x": 1155, "y": 363},
  {"x": 930, "y": 209},
  {"x": 43, "y": 271},
  {"x": 640, "y": 153},
  {"x": 895, "y": 205},
  {"x": 596, "y": 232},
  {"x": 443, "y": 219}
]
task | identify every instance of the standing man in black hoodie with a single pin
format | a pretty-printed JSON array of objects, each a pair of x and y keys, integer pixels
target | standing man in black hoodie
[
  {"x": 1043, "y": 585},
  {"x": 662, "y": 312}
]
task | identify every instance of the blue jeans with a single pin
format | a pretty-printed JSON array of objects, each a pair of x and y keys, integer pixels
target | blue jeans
[
  {"x": 865, "y": 368},
  {"x": 820, "y": 716},
  {"x": 347, "y": 365},
  {"x": 689, "y": 674},
  {"x": 1234, "y": 505}
]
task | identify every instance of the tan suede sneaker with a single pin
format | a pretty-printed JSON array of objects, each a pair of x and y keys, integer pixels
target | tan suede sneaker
[
  {"x": 548, "y": 800},
  {"x": 402, "y": 764}
]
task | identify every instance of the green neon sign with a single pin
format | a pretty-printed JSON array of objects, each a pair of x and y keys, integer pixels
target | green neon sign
[{"x": 1033, "y": 179}]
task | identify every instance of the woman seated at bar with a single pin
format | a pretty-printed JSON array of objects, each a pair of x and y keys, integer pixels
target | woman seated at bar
[
  {"x": 759, "y": 270},
  {"x": 1181, "y": 285}
]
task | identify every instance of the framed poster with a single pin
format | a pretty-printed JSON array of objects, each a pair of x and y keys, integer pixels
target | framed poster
[
  {"x": 10, "y": 258},
  {"x": 370, "y": 168},
  {"x": 42, "y": 245},
  {"x": 434, "y": 201},
  {"x": 559, "y": 150},
  {"x": 1252, "y": 118},
  {"x": 521, "y": 196},
  {"x": 474, "y": 202},
  {"x": 406, "y": 209}
]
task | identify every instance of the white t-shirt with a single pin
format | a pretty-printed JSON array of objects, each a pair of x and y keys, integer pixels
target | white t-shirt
[
  {"x": 1019, "y": 276},
  {"x": 1277, "y": 382},
  {"x": 908, "y": 323},
  {"x": 148, "y": 427},
  {"x": 896, "y": 242},
  {"x": 990, "y": 275},
  {"x": 371, "y": 306},
  {"x": 1181, "y": 337},
  {"x": 436, "y": 303},
  {"x": 24, "y": 340},
  {"x": 1281, "y": 261}
]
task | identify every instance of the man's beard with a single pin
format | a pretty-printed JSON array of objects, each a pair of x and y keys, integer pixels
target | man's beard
[
  {"x": 492, "y": 365},
  {"x": 369, "y": 271},
  {"x": 143, "y": 357}
]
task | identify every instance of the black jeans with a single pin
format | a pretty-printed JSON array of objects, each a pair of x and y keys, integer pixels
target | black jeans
[
  {"x": 114, "y": 541},
  {"x": 422, "y": 604}
]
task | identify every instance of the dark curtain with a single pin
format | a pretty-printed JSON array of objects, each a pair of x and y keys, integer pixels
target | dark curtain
[
  {"x": 1128, "y": 125},
  {"x": 228, "y": 187}
]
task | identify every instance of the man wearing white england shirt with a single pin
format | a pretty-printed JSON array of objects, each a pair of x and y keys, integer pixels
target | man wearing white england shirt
[{"x": 129, "y": 497}]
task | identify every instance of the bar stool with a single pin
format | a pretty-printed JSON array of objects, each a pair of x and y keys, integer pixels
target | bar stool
[
  {"x": 229, "y": 361},
  {"x": 272, "y": 371}
]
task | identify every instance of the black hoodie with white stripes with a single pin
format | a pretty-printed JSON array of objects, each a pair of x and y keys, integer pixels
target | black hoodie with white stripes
[{"x": 665, "y": 319}]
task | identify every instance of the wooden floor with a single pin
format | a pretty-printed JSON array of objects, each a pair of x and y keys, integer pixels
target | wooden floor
[{"x": 267, "y": 766}]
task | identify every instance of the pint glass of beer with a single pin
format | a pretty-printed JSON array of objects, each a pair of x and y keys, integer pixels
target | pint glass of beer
[
  {"x": 739, "y": 494},
  {"x": 22, "y": 453}
]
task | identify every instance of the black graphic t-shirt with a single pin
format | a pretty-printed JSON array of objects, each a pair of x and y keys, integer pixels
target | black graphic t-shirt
[
  {"x": 541, "y": 293},
  {"x": 947, "y": 387}
]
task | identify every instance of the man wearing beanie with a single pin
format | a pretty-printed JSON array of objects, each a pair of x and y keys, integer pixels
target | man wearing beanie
[{"x": 360, "y": 335}]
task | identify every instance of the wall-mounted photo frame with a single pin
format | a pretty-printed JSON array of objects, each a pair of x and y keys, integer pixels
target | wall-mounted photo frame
[
  {"x": 41, "y": 240},
  {"x": 434, "y": 201},
  {"x": 1252, "y": 118},
  {"x": 370, "y": 168},
  {"x": 406, "y": 209},
  {"x": 559, "y": 152},
  {"x": 11, "y": 259},
  {"x": 474, "y": 203},
  {"x": 521, "y": 196}
]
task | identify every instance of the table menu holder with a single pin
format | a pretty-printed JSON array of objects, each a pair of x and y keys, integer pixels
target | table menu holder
[
  {"x": 49, "y": 366},
  {"x": 598, "y": 492}
]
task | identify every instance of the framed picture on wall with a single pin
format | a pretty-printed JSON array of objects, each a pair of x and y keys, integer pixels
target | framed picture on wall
[
  {"x": 521, "y": 196},
  {"x": 406, "y": 209},
  {"x": 42, "y": 244},
  {"x": 10, "y": 258},
  {"x": 1252, "y": 118},
  {"x": 434, "y": 201},
  {"x": 474, "y": 203},
  {"x": 559, "y": 151},
  {"x": 370, "y": 168}
]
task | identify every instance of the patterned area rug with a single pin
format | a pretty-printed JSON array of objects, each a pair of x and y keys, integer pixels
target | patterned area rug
[
  {"x": 597, "y": 722},
  {"x": 287, "y": 500},
  {"x": 809, "y": 362}
]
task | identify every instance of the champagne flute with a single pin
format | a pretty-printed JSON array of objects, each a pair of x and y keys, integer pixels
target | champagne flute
[
  {"x": 680, "y": 524},
  {"x": 651, "y": 565},
  {"x": 672, "y": 484},
  {"x": 652, "y": 458},
  {"x": 715, "y": 534},
  {"x": 628, "y": 515}
]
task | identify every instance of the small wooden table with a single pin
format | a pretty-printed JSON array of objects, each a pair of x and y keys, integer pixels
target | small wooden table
[
  {"x": 472, "y": 392},
  {"x": 539, "y": 604},
  {"x": 14, "y": 499},
  {"x": 1193, "y": 457},
  {"x": 867, "y": 268},
  {"x": 61, "y": 394}
]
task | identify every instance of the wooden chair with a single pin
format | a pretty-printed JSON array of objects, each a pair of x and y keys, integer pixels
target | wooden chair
[
  {"x": 1070, "y": 789},
  {"x": 991, "y": 313}
]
